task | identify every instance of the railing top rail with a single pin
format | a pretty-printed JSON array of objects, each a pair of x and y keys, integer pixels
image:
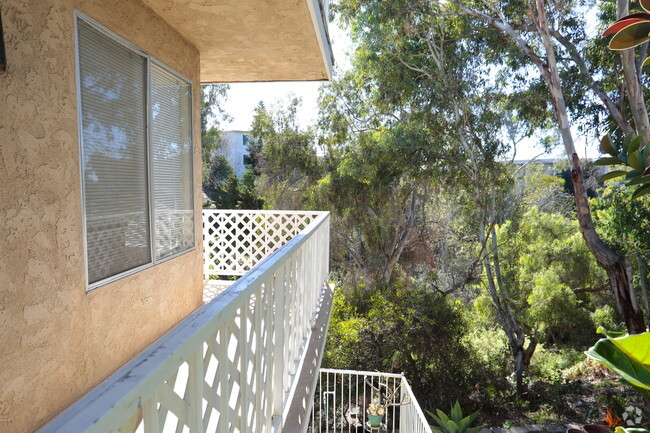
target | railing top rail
[
  {"x": 417, "y": 407},
  {"x": 277, "y": 212},
  {"x": 361, "y": 373},
  {"x": 123, "y": 392}
]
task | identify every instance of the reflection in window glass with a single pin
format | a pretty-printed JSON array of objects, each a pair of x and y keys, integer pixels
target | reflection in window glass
[
  {"x": 114, "y": 154},
  {"x": 171, "y": 144}
]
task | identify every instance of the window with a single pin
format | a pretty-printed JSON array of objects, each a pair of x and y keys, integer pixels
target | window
[{"x": 136, "y": 156}]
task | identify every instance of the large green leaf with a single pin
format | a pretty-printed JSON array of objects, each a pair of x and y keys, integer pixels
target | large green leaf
[
  {"x": 639, "y": 180},
  {"x": 641, "y": 191},
  {"x": 608, "y": 161},
  {"x": 634, "y": 160},
  {"x": 635, "y": 144},
  {"x": 607, "y": 146},
  {"x": 628, "y": 356},
  {"x": 612, "y": 175},
  {"x": 630, "y": 36}
]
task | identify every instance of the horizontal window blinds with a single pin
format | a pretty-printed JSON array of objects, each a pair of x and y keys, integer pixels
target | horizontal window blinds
[
  {"x": 113, "y": 92},
  {"x": 171, "y": 147}
]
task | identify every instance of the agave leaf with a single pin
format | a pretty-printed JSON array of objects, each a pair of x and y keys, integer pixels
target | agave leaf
[
  {"x": 641, "y": 191},
  {"x": 436, "y": 429},
  {"x": 606, "y": 145},
  {"x": 436, "y": 418},
  {"x": 463, "y": 424},
  {"x": 621, "y": 24},
  {"x": 610, "y": 160},
  {"x": 456, "y": 412},
  {"x": 645, "y": 4},
  {"x": 629, "y": 356},
  {"x": 639, "y": 180},
  {"x": 630, "y": 36},
  {"x": 646, "y": 171},
  {"x": 646, "y": 62},
  {"x": 443, "y": 417},
  {"x": 632, "y": 174},
  {"x": 612, "y": 175},
  {"x": 474, "y": 429},
  {"x": 452, "y": 427}
]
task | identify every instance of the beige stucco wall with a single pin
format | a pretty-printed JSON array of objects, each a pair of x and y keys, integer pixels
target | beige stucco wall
[
  {"x": 56, "y": 340},
  {"x": 250, "y": 40}
]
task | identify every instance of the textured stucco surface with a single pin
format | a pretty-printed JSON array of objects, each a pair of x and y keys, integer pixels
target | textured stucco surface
[
  {"x": 56, "y": 340},
  {"x": 248, "y": 40}
]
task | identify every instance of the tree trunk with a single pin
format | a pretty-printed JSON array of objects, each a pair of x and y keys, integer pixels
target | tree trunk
[
  {"x": 522, "y": 362},
  {"x": 613, "y": 263},
  {"x": 394, "y": 250},
  {"x": 632, "y": 83},
  {"x": 643, "y": 283}
]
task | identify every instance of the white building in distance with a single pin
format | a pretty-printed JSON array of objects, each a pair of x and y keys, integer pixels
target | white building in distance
[{"x": 234, "y": 148}]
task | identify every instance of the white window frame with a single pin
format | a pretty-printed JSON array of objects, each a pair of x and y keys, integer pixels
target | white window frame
[{"x": 150, "y": 180}]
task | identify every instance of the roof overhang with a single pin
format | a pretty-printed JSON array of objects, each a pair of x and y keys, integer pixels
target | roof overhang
[{"x": 254, "y": 40}]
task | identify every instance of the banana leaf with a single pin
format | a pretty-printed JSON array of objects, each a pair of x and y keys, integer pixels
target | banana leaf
[{"x": 628, "y": 356}]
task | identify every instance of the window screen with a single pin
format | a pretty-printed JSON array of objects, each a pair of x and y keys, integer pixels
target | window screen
[{"x": 114, "y": 154}]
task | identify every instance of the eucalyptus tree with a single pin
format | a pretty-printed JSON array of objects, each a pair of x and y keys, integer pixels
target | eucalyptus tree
[
  {"x": 283, "y": 155},
  {"x": 374, "y": 178},
  {"x": 423, "y": 62},
  {"x": 522, "y": 40},
  {"x": 213, "y": 113},
  {"x": 536, "y": 31}
]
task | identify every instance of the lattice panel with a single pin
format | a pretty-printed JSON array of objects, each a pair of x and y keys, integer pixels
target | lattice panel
[{"x": 236, "y": 241}]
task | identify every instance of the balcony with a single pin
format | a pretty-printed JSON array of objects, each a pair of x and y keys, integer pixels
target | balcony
[{"x": 249, "y": 359}]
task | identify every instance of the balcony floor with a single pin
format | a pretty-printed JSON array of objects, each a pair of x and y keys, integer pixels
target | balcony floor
[{"x": 212, "y": 288}]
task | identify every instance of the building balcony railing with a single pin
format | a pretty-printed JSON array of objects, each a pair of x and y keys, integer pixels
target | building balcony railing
[
  {"x": 238, "y": 363},
  {"x": 343, "y": 397}
]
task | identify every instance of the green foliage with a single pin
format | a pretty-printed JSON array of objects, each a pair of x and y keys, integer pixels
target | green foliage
[
  {"x": 550, "y": 364},
  {"x": 213, "y": 112},
  {"x": 454, "y": 423},
  {"x": 283, "y": 156},
  {"x": 622, "y": 222},
  {"x": 414, "y": 331},
  {"x": 545, "y": 261},
  {"x": 606, "y": 317},
  {"x": 632, "y": 154}
]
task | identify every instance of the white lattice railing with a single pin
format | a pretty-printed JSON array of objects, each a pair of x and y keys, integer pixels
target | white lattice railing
[
  {"x": 342, "y": 398},
  {"x": 228, "y": 367},
  {"x": 236, "y": 240}
]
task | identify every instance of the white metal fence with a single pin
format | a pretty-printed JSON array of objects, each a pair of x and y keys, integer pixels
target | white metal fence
[
  {"x": 343, "y": 398},
  {"x": 237, "y": 240},
  {"x": 230, "y": 366}
]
